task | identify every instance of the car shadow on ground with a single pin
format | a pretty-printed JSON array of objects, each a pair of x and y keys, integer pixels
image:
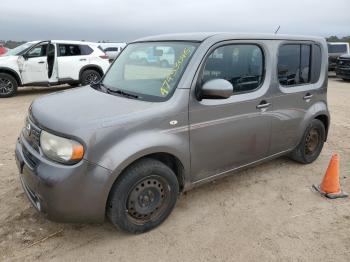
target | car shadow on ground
[{"x": 35, "y": 90}]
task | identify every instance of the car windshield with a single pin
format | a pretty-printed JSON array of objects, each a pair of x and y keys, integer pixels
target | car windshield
[
  {"x": 149, "y": 70},
  {"x": 19, "y": 50}
]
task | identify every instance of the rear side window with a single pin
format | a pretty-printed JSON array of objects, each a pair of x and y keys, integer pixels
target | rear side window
[
  {"x": 337, "y": 48},
  {"x": 69, "y": 50},
  {"x": 240, "y": 64},
  {"x": 294, "y": 64},
  {"x": 111, "y": 49}
]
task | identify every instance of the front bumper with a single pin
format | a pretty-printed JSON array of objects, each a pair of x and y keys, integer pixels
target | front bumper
[
  {"x": 76, "y": 193},
  {"x": 343, "y": 72}
]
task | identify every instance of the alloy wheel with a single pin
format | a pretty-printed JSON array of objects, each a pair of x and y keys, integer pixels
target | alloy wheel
[{"x": 6, "y": 86}]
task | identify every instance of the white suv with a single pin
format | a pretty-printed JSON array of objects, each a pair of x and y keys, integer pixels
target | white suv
[{"x": 53, "y": 62}]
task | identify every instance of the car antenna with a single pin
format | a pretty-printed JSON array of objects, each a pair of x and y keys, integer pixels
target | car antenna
[{"x": 278, "y": 28}]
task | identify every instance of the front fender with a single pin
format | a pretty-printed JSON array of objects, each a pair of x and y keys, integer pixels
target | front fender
[{"x": 141, "y": 144}]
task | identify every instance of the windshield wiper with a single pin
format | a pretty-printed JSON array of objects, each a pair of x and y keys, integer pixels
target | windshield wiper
[
  {"x": 98, "y": 86},
  {"x": 122, "y": 93}
]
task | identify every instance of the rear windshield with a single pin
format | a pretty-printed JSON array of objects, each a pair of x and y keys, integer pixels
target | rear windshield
[{"x": 337, "y": 48}]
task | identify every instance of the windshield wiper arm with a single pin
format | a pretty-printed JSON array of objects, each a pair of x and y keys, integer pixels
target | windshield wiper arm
[{"x": 122, "y": 93}]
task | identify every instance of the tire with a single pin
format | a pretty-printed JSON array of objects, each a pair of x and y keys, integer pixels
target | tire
[
  {"x": 89, "y": 77},
  {"x": 143, "y": 197},
  {"x": 8, "y": 85},
  {"x": 311, "y": 143}
]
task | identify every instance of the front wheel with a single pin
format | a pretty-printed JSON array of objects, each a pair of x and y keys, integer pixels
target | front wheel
[
  {"x": 311, "y": 144},
  {"x": 143, "y": 197},
  {"x": 89, "y": 77},
  {"x": 8, "y": 85}
]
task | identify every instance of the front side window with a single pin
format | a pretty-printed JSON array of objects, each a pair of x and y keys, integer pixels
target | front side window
[
  {"x": 240, "y": 64},
  {"x": 38, "y": 51},
  {"x": 150, "y": 70},
  {"x": 294, "y": 64}
]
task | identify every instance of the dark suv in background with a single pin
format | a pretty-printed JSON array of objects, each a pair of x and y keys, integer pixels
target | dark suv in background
[
  {"x": 343, "y": 67},
  {"x": 336, "y": 49}
]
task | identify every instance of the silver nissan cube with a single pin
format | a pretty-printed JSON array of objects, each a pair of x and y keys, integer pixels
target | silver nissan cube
[{"x": 172, "y": 112}]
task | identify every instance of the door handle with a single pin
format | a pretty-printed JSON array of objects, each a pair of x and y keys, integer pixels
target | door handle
[
  {"x": 307, "y": 96},
  {"x": 263, "y": 104},
  {"x": 41, "y": 62},
  {"x": 83, "y": 59}
]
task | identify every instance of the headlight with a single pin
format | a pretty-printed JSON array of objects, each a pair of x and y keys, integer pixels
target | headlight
[{"x": 61, "y": 149}]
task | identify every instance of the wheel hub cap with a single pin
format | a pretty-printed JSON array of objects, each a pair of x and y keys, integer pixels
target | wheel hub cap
[
  {"x": 146, "y": 199},
  {"x": 312, "y": 141}
]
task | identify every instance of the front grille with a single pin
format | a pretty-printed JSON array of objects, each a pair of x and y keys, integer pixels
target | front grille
[
  {"x": 343, "y": 62},
  {"x": 32, "y": 134},
  {"x": 31, "y": 160}
]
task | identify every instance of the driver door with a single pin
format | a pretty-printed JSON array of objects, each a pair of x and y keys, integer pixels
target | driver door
[
  {"x": 226, "y": 134},
  {"x": 33, "y": 65}
]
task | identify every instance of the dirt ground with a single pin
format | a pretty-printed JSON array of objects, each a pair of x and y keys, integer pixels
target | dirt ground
[{"x": 266, "y": 213}]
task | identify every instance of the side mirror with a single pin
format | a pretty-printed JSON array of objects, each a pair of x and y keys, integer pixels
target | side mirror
[
  {"x": 216, "y": 89},
  {"x": 25, "y": 56}
]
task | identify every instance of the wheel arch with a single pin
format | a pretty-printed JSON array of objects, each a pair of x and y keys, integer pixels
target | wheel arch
[
  {"x": 325, "y": 120},
  {"x": 90, "y": 67},
  {"x": 12, "y": 73},
  {"x": 169, "y": 159},
  {"x": 318, "y": 111}
]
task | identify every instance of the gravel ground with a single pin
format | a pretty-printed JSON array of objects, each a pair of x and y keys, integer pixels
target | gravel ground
[{"x": 266, "y": 213}]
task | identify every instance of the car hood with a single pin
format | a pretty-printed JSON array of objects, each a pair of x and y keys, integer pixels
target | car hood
[
  {"x": 72, "y": 112},
  {"x": 5, "y": 59}
]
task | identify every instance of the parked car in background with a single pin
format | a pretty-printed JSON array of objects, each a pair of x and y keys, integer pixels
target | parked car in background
[
  {"x": 3, "y": 49},
  {"x": 112, "y": 49},
  {"x": 336, "y": 49},
  {"x": 342, "y": 69},
  {"x": 160, "y": 55},
  {"x": 128, "y": 145},
  {"x": 52, "y": 62}
]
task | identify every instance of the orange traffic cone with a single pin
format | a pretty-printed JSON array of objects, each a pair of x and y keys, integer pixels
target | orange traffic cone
[{"x": 330, "y": 186}]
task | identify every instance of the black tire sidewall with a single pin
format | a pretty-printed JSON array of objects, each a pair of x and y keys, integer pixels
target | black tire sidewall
[
  {"x": 307, "y": 159},
  {"x": 121, "y": 189},
  {"x": 85, "y": 74},
  {"x": 14, "y": 84}
]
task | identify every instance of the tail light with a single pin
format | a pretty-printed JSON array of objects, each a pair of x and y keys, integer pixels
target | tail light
[{"x": 104, "y": 56}]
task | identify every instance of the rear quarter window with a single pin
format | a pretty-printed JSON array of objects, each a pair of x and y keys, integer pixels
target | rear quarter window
[{"x": 86, "y": 50}]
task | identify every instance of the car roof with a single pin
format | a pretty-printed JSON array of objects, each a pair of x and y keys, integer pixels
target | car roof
[
  {"x": 200, "y": 37},
  {"x": 74, "y": 42},
  {"x": 338, "y": 43}
]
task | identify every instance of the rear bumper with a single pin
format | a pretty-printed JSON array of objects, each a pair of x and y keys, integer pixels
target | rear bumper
[{"x": 75, "y": 193}]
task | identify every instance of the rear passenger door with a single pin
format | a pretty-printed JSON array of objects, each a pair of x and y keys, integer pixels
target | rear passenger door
[
  {"x": 298, "y": 69},
  {"x": 71, "y": 59},
  {"x": 226, "y": 134}
]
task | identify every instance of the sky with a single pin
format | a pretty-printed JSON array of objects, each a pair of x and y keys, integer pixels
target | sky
[{"x": 123, "y": 21}]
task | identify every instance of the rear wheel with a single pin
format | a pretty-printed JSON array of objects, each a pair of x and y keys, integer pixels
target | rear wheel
[
  {"x": 89, "y": 77},
  {"x": 143, "y": 197},
  {"x": 311, "y": 144},
  {"x": 8, "y": 85}
]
